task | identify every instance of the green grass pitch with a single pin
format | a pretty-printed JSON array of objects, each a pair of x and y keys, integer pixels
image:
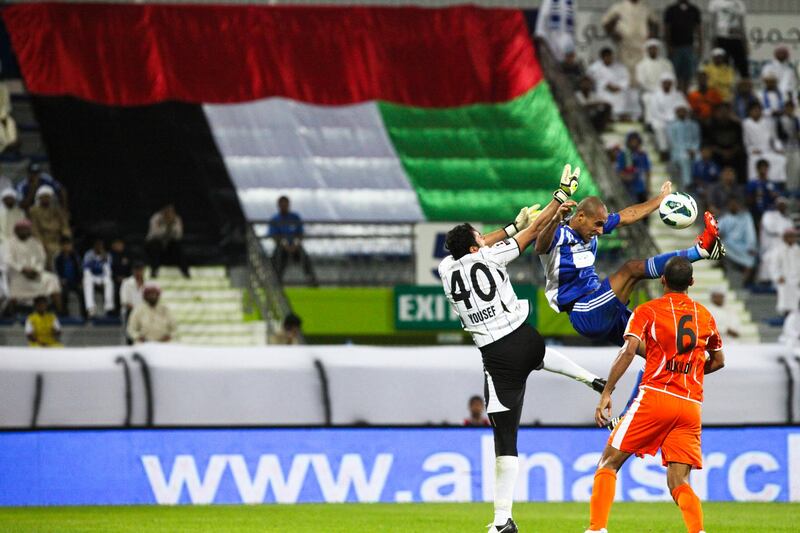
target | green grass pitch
[{"x": 391, "y": 518}]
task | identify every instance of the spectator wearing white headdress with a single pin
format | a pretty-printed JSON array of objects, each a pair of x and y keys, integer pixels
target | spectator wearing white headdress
[
  {"x": 650, "y": 69},
  {"x": 770, "y": 96},
  {"x": 9, "y": 137},
  {"x": 761, "y": 142},
  {"x": 774, "y": 222},
  {"x": 27, "y": 277},
  {"x": 721, "y": 75},
  {"x": 787, "y": 272},
  {"x": 661, "y": 109},
  {"x": 785, "y": 72},
  {"x": 728, "y": 323},
  {"x": 151, "y": 320},
  {"x": 10, "y": 213},
  {"x": 50, "y": 222},
  {"x": 612, "y": 83}
]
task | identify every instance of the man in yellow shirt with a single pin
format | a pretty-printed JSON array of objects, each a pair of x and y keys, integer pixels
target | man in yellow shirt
[
  {"x": 721, "y": 75},
  {"x": 42, "y": 326}
]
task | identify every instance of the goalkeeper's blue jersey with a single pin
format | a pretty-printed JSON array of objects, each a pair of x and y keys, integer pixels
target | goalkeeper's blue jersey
[{"x": 569, "y": 265}]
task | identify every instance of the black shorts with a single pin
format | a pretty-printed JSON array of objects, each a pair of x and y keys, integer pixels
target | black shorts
[{"x": 507, "y": 362}]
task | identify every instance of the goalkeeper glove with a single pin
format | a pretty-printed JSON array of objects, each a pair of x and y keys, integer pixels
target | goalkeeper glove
[
  {"x": 568, "y": 184},
  {"x": 524, "y": 219}
]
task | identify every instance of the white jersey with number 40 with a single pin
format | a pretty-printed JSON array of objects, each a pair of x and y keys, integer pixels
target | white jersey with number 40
[{"x": 480, "y": 291}]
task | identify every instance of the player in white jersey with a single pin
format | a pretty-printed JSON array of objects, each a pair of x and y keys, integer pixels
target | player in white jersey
[
  {"x": 567, "y": 249},
  {"x": 477, "y": 284}
]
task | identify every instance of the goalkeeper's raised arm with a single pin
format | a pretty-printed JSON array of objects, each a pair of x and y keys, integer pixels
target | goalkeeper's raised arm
[{"x": 532, "y": 218}]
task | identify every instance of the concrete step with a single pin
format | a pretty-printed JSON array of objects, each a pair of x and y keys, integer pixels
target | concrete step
[
  {"x": 204, "y": 316},
  {"x": 194, "y": 284},
  {"x": 172, "y": 273},
  {"x": 242, "y": 328},
  {"x": 202, "y": 295},
  {"x": 205, "y": 307}
]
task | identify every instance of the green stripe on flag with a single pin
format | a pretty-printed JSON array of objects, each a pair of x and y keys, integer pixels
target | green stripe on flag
[{"x": 485, "y": 161}]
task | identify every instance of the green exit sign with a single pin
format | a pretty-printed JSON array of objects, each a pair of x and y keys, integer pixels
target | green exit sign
[{"x": 419, "y": 307}]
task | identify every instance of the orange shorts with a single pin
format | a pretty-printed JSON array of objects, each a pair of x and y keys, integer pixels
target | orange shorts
[{"x": 656, "y": 420}]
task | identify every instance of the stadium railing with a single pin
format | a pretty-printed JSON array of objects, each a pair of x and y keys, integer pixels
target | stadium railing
[{"x": 263, "y": 286}]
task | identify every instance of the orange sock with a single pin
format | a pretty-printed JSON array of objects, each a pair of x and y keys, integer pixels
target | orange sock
[
  {"x": 690, "y": 506},
  {"x": 605, "y": 484}
]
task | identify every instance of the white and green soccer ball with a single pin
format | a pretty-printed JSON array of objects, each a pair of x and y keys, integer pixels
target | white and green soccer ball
[{"x": 678, "y": 210}]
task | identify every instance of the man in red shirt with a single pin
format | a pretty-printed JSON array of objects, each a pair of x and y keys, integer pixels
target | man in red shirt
[
  {"x": 681, "y": 344},
  {"x": 704, "y": 99}
]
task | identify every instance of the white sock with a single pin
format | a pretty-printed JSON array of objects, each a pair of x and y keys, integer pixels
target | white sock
[
  {"x": 505, "y": 478},
  {"x": 556, "y": 362}
]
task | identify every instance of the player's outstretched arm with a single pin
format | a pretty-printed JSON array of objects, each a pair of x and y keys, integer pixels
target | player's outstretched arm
[
  {"x": 522, "y": 221},
  {"x": 635, "y": 213},
  {"x": 602, "y": 413},
  {"x": 715, "y": 361},
  {"x": 544, "y": 239}
]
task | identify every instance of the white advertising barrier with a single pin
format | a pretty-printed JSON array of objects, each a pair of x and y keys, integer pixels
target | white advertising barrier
[{"x": 194, "y": 386}]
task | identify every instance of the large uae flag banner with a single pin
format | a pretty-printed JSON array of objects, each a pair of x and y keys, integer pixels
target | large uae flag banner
[{"x": 357, "y": 113}]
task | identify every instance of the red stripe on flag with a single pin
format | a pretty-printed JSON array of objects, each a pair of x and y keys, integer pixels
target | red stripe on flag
[{"x": 143, "y": 54}]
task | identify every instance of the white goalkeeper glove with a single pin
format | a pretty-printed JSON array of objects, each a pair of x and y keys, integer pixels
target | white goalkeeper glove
[
  {"x": 568, "y": 184},
  {"x": 524, "y": 219}
]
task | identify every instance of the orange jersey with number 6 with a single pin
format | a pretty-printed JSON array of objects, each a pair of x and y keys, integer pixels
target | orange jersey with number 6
[{"x": 677, "y": 332}]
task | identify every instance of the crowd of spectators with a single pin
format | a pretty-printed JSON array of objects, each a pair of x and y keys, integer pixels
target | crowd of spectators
[
  {"x": 728, "y": 133},
  {"x": 40, "y": 268}
]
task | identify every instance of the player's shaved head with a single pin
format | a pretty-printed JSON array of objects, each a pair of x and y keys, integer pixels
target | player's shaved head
[
  {"x": 591, "y": 205},
  {"x": 678, "y": 274}
]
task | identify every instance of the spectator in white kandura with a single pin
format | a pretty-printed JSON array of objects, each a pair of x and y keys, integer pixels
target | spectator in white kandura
[
  {"x": 728, "y": 323},
  {"x": 683, "y": 137},
  {"x": 661, "y": 110},
  {"x": 788, "y": 125},
  {"x": 761, "y": 142},
  {"x": 9, "y": 137},
  {"x": 164, "y": 241},
  {"x": 27, "y": 277},
  {"x": 738, "y": 232},
  {"x": 774, "y": 223},
  {"x": 786, "y": 73},
  {"x": 650, "y": 69},
  {"x": 630, "y": 23},
  {"x": 97, "y": 274},
  {"x": 612, "y": 82},
  {"x": 770, "y": 96},
  {"x": 10, "y": 214},
  {"x": 598, "y": 111},
  {"x": 151, "y": 320},
  {"x": 787, "y": 272},
  {"x": 27, "y": 188}
]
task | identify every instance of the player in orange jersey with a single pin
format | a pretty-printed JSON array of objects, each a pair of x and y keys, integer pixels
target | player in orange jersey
[{"x": 681, "y": 344}]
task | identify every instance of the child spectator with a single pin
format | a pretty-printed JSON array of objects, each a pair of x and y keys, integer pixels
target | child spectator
[
  {"x": 97, "y": 274},
  {"x": 70, "y": 274},
  {"x": 720, "y": 74},
  {"x": 761, "y": 192},
  {"x": 633, "y": 167},
  {"x": 683, "y": 136},
  {"x": 703, "y": 99},
  {"x": 705, "y": 171},
  {"x": 291, "y": 333},
  {"x": 42, "y": 326},
  {"x": 476, "y": 417}
]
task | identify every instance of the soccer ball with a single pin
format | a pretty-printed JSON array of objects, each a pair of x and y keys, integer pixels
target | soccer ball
[{"x": 678, "y": 210}]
